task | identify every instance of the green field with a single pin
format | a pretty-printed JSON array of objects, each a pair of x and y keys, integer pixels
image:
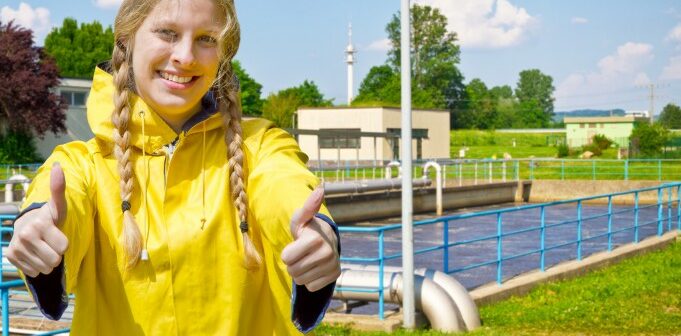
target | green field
[{"x": 639, "y": 296}]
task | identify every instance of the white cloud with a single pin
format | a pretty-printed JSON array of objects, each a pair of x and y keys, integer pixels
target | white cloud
[
  {"x": 673, "y": 69},
  {"x": 380, "y": 45},
  {"x": 107, "y": 4},
  {"x": 675, "y": 34},
  {"x": 579, "y": 20},
  {"x": 611, "y": 84},
  {"x": 485, "y": 23},
  {"x": 37, "y": 19}
]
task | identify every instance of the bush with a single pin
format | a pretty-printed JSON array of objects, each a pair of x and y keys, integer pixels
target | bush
[
  {"x": 602, "y": 141},
  {"x": 593, "y": 148},
  {"x": 563, "y": 150},
  {"x": 18, "y": 147},
  {"x": 647, "y": 140}
]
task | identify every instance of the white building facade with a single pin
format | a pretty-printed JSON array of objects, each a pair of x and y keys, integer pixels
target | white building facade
[{"x": 430, "y": 130}]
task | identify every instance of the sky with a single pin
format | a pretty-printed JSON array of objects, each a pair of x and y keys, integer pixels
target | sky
[{"x": 604, "y": 54}]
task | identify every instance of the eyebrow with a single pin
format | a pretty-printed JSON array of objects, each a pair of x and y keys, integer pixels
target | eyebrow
[{"x": 173, "y": 24}]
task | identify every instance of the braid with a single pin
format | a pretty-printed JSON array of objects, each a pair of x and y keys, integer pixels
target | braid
[
  {"x": 132, "y": 238},
  {"x": 231, "y": 114}
]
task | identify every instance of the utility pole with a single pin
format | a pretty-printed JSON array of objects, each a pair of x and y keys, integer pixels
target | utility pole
[
  {"x": 651, "y": 86},
  {"x": 408, "y": 300}
]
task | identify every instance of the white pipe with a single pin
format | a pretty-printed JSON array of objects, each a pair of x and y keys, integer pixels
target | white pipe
[
  {"x": 357, "y": 187},
  {"x": 438, "y": 184},
  {"x": 432, "y": 299},
  {"x": 389, "y": 169},
  {"x": 407, "y": 192},
  {"x": 465, "y": 305},
  {"x": 9, "y": 186}
]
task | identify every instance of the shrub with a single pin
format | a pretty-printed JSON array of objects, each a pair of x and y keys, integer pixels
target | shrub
[
  {"x": 602, "y": 141},
  {"x": 18, "y": 147},
  {"x": 563, "y": 150},
  {"x": 593, "y": 148}
]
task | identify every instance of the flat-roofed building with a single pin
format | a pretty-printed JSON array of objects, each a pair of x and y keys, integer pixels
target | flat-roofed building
[
  {"x": 75, "y": 92},
  {"x": 580, "y": 131},
  {"x": 368, "y": 133}
]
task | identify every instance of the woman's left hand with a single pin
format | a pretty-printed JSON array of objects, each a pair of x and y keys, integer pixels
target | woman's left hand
[{"x": 312, "y": 258}]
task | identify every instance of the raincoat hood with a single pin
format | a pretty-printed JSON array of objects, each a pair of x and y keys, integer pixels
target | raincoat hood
[{"x": 158, "y": 133}]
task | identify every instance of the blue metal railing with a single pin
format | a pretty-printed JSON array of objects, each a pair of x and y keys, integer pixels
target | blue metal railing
[
  {"x": 502, "y": 233},
  {"x": 6, "y": 286}
]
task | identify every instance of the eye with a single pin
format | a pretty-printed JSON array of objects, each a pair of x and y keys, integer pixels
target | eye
[
  {"x": 166, "y": 34},
  {"x": 208, "y": 40}
]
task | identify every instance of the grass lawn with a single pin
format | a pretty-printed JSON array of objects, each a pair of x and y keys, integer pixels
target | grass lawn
[{"x": 639, "y": 296}]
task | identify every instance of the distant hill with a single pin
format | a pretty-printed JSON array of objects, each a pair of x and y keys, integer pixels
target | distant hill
[{"x": 559, "y": 116}]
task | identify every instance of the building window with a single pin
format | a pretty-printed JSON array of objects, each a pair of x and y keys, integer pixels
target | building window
[
  {"x": 592, "y": 125},
  {"x": 581, "y": 125},
  {"x": 339, "y": 138},
  {"x": 602, "y": 125},
  {"x": 74, "y": 98}
]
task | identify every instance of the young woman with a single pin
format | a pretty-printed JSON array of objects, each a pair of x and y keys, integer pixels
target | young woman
[{"x": 177, "y": 218}]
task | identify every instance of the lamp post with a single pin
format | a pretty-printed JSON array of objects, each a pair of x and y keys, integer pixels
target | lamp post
[{"x": 408, "y": 307}]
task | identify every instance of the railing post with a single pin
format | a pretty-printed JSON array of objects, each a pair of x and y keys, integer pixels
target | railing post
[
  {"x": 542, "y": 239},
  {"x": 476, "y": 172},
  {"x": 579, "y": 230},
  {"x": 499, "y": 251},
  {"x": 659, "y": 170},
  {"x": 517, "y": 170},
  {"x": 445, "y": 242},
  {"x": 562, "y": 169},
  {"x": 531, "y": 169},
  {"x": 461, "y": 174},
  {"x": 381, "y": 263},
  {"x": 593, "y": 169},
  {"x": 626, "y": 170},
  {"x": 669, "y": 209},
  {"x": 490, "y": 172},
  {"x": 609, "y": 223},
  {"x": 678, "y": 207},
  {"x": 659, "y": 211},
  {"x": 5, "y": 312},
  {"x": 636, "y": 210}
]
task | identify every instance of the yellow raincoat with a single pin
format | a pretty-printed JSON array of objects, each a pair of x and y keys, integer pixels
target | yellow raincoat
[{"x": 194, "y": 282}]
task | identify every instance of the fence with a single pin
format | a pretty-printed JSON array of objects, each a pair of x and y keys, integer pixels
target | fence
[
  {"x": 567, "y": 228},
  {"x": 466, "y": 172}
]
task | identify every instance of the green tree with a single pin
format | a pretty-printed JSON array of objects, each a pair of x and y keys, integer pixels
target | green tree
[
  {"x": 647, "y": 140},
  {"x": 671, "y": 116},
  {"x": 77, "y": 50},
  {"x": 436, "y": 81},
  {"x": 308, "y": 95},
  {"x": 279, "y": 107},
  {"x": 534, "y": 91},
  {"x": 251, "y": 91},
  {"x": 481, "y": 105}
]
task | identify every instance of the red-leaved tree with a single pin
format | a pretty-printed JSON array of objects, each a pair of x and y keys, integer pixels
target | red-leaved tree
[{"x": 27, "y": 75}]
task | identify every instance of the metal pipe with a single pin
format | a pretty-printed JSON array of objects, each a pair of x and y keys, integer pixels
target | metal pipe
[
  {"x": 438, "y": 184},
  {"x": 357, "y": 187},
  {"x": 467, "y": 310},
  {"x": 9, "y": 186},
  {"x": 432, "y": 299},
  {"x": 389, "y": 169}
]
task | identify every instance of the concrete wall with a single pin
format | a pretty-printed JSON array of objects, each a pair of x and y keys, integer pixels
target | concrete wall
[
  {"x": 552, "y": 190},
  {"x": 377, "y": 119},
  {"x": 375, "y": 205}
]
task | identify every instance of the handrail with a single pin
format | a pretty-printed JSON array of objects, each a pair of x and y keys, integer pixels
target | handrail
[{"x": 662, "y": 220}]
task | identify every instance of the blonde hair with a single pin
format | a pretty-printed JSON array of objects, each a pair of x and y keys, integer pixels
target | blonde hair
[{"x": 129, "y": 18}]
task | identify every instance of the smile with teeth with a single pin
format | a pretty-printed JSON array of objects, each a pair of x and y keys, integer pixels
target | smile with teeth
[{"x": 174, "y": 78}]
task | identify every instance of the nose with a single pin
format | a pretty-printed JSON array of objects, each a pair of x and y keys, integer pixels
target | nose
[{"x": 183, "y": 53}]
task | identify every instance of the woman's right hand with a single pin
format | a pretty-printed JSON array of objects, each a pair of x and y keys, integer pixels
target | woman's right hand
[{"x": 37, "y": 245}]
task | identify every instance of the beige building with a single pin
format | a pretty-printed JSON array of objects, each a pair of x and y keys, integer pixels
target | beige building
[
  {"x": 368, "y": 133},
  {"x": 75, "y": 92}
]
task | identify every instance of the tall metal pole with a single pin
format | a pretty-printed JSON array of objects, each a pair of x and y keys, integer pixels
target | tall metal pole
[{"x": 407, "y": 206}]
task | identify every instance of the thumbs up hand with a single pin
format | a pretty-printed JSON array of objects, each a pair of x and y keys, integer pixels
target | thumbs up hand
[
  {"x": 312, "y": 258},
  {"x": 37, "y": 245}
]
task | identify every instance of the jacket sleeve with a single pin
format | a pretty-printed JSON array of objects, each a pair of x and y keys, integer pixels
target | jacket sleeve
[
  {"x": 279, "y": 183},
  {"x": 49, "y": 291}
]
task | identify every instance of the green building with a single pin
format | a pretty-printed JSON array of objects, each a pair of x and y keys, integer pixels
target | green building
[{"x": 580, "y": 131}]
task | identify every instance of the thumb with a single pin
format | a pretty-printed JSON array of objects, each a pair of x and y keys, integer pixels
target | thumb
[
  {"x": 310, "y": 208},
  {"x": 57, "y": 203}
]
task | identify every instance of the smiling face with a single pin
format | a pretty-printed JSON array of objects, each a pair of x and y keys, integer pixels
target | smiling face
[{"x": 175, "y": 57}]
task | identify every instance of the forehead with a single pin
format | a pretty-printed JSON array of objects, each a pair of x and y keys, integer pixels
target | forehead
[{"x": 204, "y": 14}]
